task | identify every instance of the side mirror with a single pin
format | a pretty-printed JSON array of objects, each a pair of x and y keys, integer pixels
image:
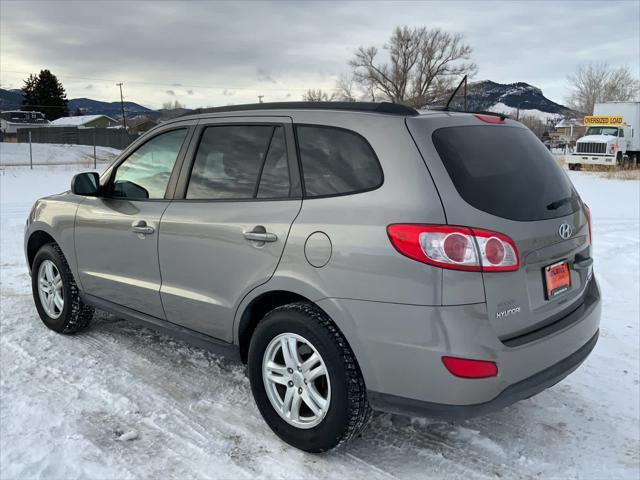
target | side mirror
[{"x": 86, "y": 184}]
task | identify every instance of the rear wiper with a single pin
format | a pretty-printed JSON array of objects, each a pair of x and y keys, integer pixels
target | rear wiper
[{"x": 558, "y": 203}]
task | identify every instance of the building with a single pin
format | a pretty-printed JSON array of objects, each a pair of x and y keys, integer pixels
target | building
[
  {"x": 11, "y": 120},
  {"x": 568, "y": 131},
  {"x": 86, "y": 121},
  {"x": 140, "y": 124}
]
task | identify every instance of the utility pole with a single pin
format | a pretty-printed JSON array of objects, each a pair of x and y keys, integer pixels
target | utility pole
[
  {"x": 124, "y": 122},
  {"x": 260, "y": 97}
]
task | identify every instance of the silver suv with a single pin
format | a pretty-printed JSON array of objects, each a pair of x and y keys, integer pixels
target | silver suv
[{"x": 356, "y": 256}]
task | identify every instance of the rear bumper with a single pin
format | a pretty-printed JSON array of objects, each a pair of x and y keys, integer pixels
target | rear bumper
[
  {"x": 400, "y": 347},
  {"x": 518, "y": 391}
]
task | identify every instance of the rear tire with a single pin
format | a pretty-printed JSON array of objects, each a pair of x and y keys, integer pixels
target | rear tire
[
  {"x": 347, "y": 412},
  {"x": 61, "y": 309}
]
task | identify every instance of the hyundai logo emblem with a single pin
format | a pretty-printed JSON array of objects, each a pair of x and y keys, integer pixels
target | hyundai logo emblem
[{"x": 565, "y": 231}]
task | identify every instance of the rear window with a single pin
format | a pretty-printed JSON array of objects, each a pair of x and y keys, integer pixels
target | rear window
[
  {"x": 505, "y": 171},
  {"x": 336, "y": 161}
]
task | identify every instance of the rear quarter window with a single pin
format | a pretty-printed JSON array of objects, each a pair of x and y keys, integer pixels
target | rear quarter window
[
  {"x": 336, "y": 161},
  {"x": 505, "y": 171}
]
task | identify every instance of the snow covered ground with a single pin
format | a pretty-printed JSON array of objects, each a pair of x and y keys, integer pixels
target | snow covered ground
[
  {"x": 12, "y": 154},
  {"x": 69, "y": 403}
]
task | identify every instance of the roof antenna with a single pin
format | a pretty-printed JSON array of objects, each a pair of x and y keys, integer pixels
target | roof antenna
[{"x": 464, "y": 80}]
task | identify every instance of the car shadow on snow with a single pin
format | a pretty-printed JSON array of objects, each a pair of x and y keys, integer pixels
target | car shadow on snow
[{"x": 504, "y": 443}]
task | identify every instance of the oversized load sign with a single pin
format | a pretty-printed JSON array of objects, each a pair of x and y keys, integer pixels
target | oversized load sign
[{"x": 615, "y": 120}]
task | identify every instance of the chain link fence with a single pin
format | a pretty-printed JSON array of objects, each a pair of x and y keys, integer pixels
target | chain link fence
[{"x": 117, "y": 138}]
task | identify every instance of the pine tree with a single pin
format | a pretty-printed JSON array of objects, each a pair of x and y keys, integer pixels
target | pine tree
[
  {"x": 78, "y": 112},
  {"x": 44, "y": 93},
  {"x": 28, "y": 93}
]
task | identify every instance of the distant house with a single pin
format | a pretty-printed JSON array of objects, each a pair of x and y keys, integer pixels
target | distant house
[
  {"x": 86, "y": 121},
  {"x": 140, "y": 124},
  {"x": 11, "y": 120},
  {"x": 568, "y": 130}
]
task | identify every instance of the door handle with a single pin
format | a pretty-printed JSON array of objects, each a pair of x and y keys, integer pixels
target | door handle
[
  {"x": 140, "y": 226},
  {"x": 260, "y": 234}
]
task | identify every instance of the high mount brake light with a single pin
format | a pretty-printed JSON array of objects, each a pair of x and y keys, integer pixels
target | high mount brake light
[
  {"x": 489, "y": 118},
  {"x": 456, "y": 248}
]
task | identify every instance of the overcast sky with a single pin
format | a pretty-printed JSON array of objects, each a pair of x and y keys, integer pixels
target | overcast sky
[{"x": 218, "y": 53}]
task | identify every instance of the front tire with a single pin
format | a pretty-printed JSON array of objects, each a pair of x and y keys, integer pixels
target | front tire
[
  {"x": 56, "y": 294},
  {"x": 305, "y": 379}
]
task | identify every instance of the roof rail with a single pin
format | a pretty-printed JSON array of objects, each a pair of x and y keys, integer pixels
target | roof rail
[{"x": 380, "y": 107}]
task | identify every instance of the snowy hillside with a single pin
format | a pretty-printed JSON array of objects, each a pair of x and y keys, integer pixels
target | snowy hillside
[
  {"x": 508, "y": 98},
  {"x": 120, "y": 401},
  {"x": 514, "y": 113}
]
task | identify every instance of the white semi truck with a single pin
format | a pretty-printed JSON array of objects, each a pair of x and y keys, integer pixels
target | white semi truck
[{"x": 612, "y": 137}]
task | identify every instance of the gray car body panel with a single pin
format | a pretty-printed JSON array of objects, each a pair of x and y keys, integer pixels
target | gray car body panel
[
  {"x": 202, "y": 290},
  {"x": 538, "y": 243},
  {"x": 399, "y": 316},
  {"x": 55, "y": 215}
]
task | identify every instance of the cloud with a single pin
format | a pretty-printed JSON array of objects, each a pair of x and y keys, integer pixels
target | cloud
[
  {"x": 294, "y": 46},
  {"x": 264, "y": 75}
]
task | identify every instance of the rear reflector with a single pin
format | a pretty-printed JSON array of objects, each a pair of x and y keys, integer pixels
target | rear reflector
[
  {"x": 466, "y": 368},
  {"x": 587, "y": 212},
  {"x": 456, "y": 248}
]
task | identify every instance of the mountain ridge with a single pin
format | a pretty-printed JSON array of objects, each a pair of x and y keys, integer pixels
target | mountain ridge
[
  {"x": 487, "y": 95},
  {"x": 519, "y": 98},
  {"x": 12, "y": 100}
]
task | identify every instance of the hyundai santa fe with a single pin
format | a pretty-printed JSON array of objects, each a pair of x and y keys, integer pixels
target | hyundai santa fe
[{"x": 355, "y": 256}]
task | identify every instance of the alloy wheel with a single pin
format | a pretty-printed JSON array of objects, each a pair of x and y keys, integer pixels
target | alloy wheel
[
  {"x": 296, "y": 380},
  {"x": 50, "y": 289}
]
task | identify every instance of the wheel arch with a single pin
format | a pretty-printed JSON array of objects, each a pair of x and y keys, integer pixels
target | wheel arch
[
  {"x": 256, "y": 309},
  {"x": 36, "y": 240}
]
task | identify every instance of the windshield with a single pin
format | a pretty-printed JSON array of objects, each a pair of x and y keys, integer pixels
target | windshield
[
  {"x": 613, "y": 131},
  {"x": 505, "y": 171}
]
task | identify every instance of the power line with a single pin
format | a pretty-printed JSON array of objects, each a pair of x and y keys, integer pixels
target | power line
[
  {"x": 124, "y": 121},
  {"x": 175, "y": 84}
]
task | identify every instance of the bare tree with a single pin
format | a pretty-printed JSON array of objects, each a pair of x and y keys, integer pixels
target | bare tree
[
  {"x": 318, "y": 95},
  {"x": 597, "y": 82},
  {"x": 422, "y": 63},
  {"x": 345, "y": 89},
  {"x": 175, "y": 105}
]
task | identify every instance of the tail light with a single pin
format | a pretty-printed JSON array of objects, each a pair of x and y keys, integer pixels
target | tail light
[
  {"x": 457, "y": 248},
  {"x": 587, "y": 213},
  {"x": 466, "y": 368}
]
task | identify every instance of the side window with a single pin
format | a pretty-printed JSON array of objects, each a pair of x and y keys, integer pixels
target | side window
[
  {"x": 145, "y": 173},
  {"x": 621, "y": 133},
  {"x": 231, "y": 159},
  {"x": 336, "y": 161}
]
